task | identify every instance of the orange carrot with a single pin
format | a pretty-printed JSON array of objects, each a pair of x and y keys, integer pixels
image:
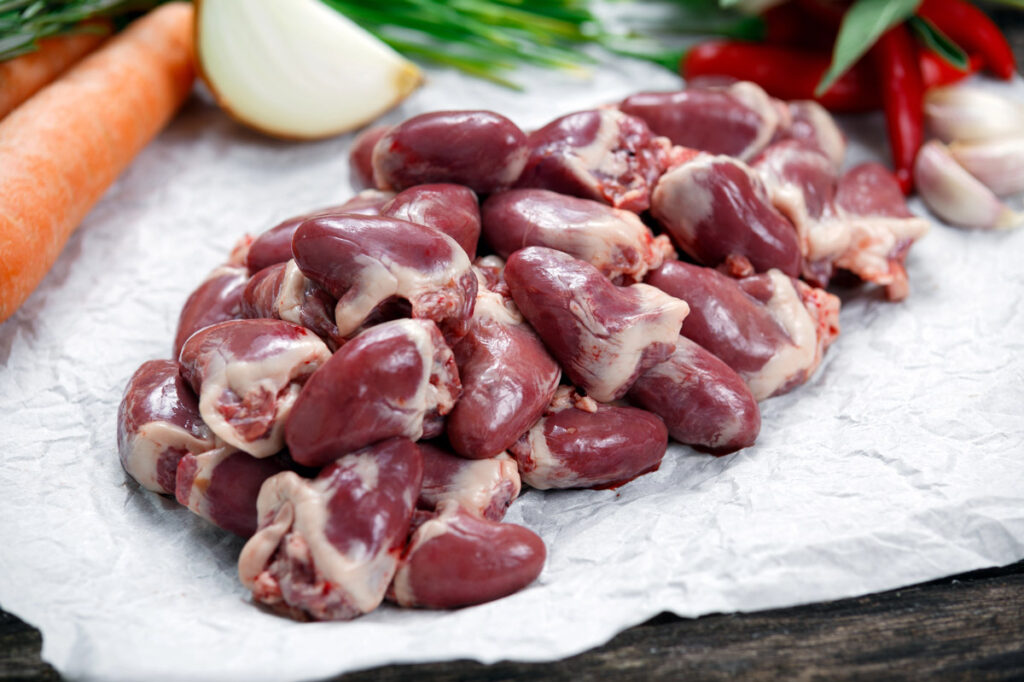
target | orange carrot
[
  {"x": 23, "y": 76},
  {"x": 60, "y": 150}
]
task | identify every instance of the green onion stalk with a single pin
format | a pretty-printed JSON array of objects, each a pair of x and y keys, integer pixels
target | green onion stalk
[{"x": 485, "y": 38}]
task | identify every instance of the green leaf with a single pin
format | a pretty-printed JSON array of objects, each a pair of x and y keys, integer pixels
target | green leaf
[
  {"x": 939, "y": 43},
  {"x": 24, "y": 22},
  {"x": 13, "y": 4},
  {"x": 17, "y": 43},
  {"x": 863, "y": 24}
]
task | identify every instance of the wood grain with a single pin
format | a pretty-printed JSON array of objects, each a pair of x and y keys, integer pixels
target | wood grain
[
  {"x": 970, "y": 627},
  {"x": 966, "y": 627}
]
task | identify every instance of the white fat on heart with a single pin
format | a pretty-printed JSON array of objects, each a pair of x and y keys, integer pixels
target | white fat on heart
[
  {"x": 861, "y": 244},
  {"x": 298, "y": 506},
  {"x": 566, "y": 397},
  {"x": 789, "y": 200},
  {"x": 439, "y": 396},
  {"x": 367, "y": 470},
  {"x": 595, "y": 157},
  {"x": 801, "y": 355},
  {"x": 828, "y": 135},
  {"x": 489, "y": 262},
  {"x": 275, "y": 509},
  {"x": 382, "y": 278},
  {"x": 429, "y": 530},
  {"x": 788, "y": 197},
  {"x": 150, "y": 444},
  {"x": 292, "y": 295},
  {"x": 545, "y": 471},
  {"x": 825, "y": 240},
  {"x": 601, "y": 237},
  {"x": 872, "y": 241},
  {"x": 608, "y": 360},
  {"x": 682, "y": 199},
  {"x": 495, "y": 307},
  {"x": 273, "y": 374},
  {"x": 514, "y": 164},
  {"x": 477, "y": 481},
  {"x": 198, "y": 502},
  {"x": 772, "y": 114},
  {"x": 376, "y": 284}
]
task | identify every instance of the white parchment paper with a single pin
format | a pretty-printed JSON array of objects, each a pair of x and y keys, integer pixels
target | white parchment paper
[{"x": 901, "y": 461}]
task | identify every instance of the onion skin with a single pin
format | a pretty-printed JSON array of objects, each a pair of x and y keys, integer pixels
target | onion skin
[{"x": 339, "y": 80}]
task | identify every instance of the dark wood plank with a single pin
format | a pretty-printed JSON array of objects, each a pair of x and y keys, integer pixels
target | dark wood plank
[
  {"x": 19, "y": 652},
  {"x": 967, "y": 627}
]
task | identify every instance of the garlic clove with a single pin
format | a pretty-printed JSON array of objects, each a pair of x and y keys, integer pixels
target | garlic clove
[
  {"x": 297, "y": 69},
  {"x": 998, "y": 163},
  {"x": 955, "y": 195},
  {"x": 964, "y": 113}
]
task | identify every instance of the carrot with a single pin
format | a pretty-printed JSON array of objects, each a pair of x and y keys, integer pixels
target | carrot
[
  {"x": 60, "y": 150},
  {"x": 23, "y": 76}
]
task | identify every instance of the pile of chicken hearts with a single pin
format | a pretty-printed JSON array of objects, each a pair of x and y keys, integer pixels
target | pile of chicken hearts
[{"x": 361, "y": 391}]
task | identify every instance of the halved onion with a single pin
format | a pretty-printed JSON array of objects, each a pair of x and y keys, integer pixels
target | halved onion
[{"x": 297, "y": 69}]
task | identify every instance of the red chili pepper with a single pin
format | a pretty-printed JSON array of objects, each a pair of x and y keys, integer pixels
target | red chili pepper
[
  {"x": 789, "y": 24},
  {"x": 936, "y": 71},
  {"x": 895, "y": 60},
  {"x": 785, "y": 72},
  {"x": 974, "y": 31},
  {"x": 826, "y": 14}
]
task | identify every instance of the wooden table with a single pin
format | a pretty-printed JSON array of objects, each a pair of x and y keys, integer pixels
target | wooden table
[{"x": 969, "y": 626}]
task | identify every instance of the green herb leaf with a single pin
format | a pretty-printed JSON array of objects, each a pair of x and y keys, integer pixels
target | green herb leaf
[
  {"x": 863, "y": 24},
  {"x": 939, "y": 43},
  {"x": 24, "y": 22},
  {"x": 18, "y": 43},
  {"x": 481, "y": 37}
]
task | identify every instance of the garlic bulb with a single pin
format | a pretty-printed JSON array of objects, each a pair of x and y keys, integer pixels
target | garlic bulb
[
  {"x": 997, "y": 162},
  {"x": 966, "y": 113},
  {"x": 297, "y": 69},
  {"x": 955, "y": 195}
]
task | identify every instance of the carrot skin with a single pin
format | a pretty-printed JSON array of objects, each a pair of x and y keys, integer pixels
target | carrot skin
[
  {"x": 23, "y": 76},
  {"x": 63, "y": 148}
]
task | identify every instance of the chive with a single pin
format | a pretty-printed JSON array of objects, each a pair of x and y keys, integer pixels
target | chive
[
  {"x": 24, "y": 22},
  {"x": 484, "y": 38}
]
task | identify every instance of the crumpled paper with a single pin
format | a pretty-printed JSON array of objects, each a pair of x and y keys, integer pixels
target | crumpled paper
[{"x": 902, "y": 460}]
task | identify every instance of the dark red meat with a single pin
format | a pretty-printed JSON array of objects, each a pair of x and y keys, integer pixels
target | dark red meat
[
  {"x": 602, "y": 335},
  {"x": 327, "y": 549},
  {"x": 365, "y": 260},
  {"x": 703, "y": 402},
  {"x": 581, "y": 443},
  {"x": 479, "y": 149},
  {"x": 247, "y": 374},
  {"x": 458, "y": 559},
  {"x": 396, "y": 379},
  {"x": 158, "y": 423},
  {"x": 614, "y": 241}
]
